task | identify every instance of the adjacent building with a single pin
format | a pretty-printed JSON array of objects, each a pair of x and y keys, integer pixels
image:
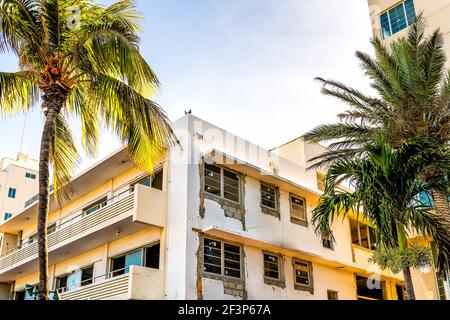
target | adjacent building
[
  {"x": 219, "y": 218},
  {"x": 391, "y": 20},
  {"x": 18, "y": 183}
]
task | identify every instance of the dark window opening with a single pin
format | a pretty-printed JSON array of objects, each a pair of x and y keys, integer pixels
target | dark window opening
[
  {"x": 401, "y": 295},
  {"x": 87, "y": 275},
  {"x": 97, "y": 205},
  {"x": 152, "y": 256},
  {"x": 153, "y": 181},
  {"x": 368, "y": 289},
  {"x": 268, "y": 196},
  {"x": 332, "y": 295}
]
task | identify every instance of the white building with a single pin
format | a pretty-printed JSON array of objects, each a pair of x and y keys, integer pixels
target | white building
[{"x": 220, "y": 218}]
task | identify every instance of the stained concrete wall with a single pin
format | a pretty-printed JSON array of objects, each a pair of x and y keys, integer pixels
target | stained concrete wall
[{"x": 186, "y": 220}]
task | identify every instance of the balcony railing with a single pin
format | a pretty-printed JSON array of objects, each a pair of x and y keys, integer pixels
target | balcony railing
[
  {"x": 71, "y": 226},
  {"x": 137, "y": 283}
]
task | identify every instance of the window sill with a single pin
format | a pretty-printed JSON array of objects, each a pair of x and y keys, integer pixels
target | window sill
[
  {"x": 220, "y": 277},
  {"x": 269, "y": 211},
  {"x": 355, "y": 246},
  {"x": 222, "y": 201},
  {"x": 304, "y": 288},
  {"x": 274, "y": 282},
  {"x": 300, "y": 222}
]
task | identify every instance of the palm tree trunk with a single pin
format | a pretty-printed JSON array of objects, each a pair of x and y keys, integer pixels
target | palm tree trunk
[
  {"x": 441, "y": 205},
  {"x": 54, "y": 97},
  {"x": 409, "y": 284}
]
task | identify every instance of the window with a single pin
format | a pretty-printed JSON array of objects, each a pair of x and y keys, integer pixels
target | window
[
  {"x": 398, "y": 18},
  {"x": 61, "y": 284},
  {"x": 272, "y": 268},
  {"x": 31, "y": 176},
  {"x": 154, "y": 181},
  {"x": 51, "y": 228},
  {"x": 268, "y": 196},
  {"x": 401, "y": 292},
  {"x": 303, "y": 275},
  {"x": 320, "y": 181},
  {"x": 74, "y": 280},
  {"x": 87, "y": 276},
  {"x": 7, "y": 216},
  {"x": 221, "y": 258},
  {"x": 298, "y": 210},
  {"x": 441, "y": 286},
  {"x": 97, "y": 205},
  {"x": 327, "y": 242},
  {"x": 363, "y": 235},
  {"x": 20, "y": 295},
  {"x": 221, "y": 182},
  {"x": 332, "y": 295},
  {"x": 29, "y": 293},
  {"x": 12, "y": 193},
  {"x": 32, "y": 239},
  {"x": 147, "y": 257}
]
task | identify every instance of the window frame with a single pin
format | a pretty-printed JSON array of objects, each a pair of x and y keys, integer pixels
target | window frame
[
  {"x": 269, "y": 210},
  {"x": 221, "y": 188},
  {"x": 369, "y": 235},
  {"x": 222, "y": 274},
  {"x": 31, "y": 176},
  {"x": 125, "y": 253},
  {"x": 332, "y": 292},
  {"x": 272, "y": 281},
  {"x": 328, "y": 240},
  {"x": 388, "y": 11},
  {"x": 299, "y": 286},
  {"x": 7, "y": 216},
  {"x": 12, "y": 192},
  {"x": 296, "y": 220}
]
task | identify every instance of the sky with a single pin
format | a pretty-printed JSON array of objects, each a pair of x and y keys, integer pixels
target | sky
[{"x": 247, "y": 66}]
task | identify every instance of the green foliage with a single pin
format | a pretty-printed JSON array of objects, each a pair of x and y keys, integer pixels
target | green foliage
[
  {"x": 91, "y": 52},
  {"x": 397, "y": 260},
  {"x": 410, "y": 113}
]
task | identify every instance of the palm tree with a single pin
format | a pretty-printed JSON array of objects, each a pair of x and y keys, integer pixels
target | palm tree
[
  {"x": 412, "y": 98},
  {"x": 84, "y": 60},
  {"x": 386, "y": 184}
]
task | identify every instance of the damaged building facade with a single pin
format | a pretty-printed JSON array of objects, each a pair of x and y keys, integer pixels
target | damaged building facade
[{"x": 219, "y": 218}]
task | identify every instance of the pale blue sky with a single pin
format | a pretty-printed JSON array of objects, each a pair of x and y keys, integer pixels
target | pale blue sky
[{"x": 245, "y": 65}]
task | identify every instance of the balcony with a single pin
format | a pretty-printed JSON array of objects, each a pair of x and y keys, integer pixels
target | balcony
[
  {"x": 361, "y": 257},
  {"x": 139, "y": 283},
  {"x": 127, "y": 212}
]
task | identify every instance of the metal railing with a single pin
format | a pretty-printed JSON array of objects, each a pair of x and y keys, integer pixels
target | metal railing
[
  {"x": 74, "y": 217},
  {"x": 93, "y": 280}
]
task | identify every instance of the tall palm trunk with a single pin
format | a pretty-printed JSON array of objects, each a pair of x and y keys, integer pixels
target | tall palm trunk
[
  {"x": 441, "y": 205},
  {"x": 409, "y": 284},
  {"x": 54, "y": 98},
  {"x": 433, "y": 176},
  {"x": 403, "y": 244}
]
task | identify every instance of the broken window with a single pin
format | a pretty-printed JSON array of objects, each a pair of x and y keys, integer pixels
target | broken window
[
  {"x": 221, "y": 258},
  {"x": 363, "y": 235},
  {"x": 302, "y": 275},
  {"x": 221, "y": 182},
  {"x": 332, "y": 295},
  {"x": 298, "y": 209},
  {"x": 272, "y": 267},
  {"x": 268, "y": 196},
  {"x": 327, "y": 242}
]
